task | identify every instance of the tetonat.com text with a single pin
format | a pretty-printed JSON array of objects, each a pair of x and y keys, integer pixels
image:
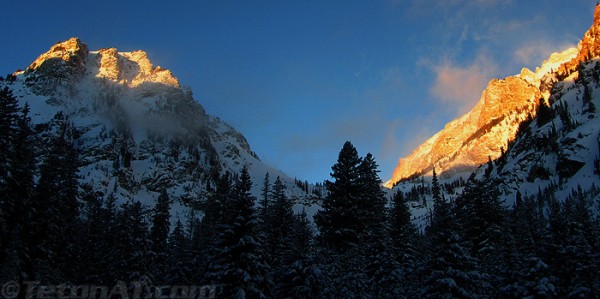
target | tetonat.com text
[{"x": 121, "y": 290}]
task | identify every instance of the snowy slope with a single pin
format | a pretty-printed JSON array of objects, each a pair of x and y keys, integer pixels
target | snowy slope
[
  {"x": 561, "y": 153},
  {"x": 554, "y": 156},
  {"x": 139, "y": 130}
]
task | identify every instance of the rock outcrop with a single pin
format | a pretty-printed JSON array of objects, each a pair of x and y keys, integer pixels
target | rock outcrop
[
  {"x": 477, "y": 136},
  {"x": 485, "y": 131},
  {"x": 588, "y": 47},
  {"x": 131, "y": 68},
  {"x": 63, "y": 65}
]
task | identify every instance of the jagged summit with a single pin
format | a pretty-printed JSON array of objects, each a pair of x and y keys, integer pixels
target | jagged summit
[
  {"x": 485, "y": 131},
  {"x": 137, "y": 130},
  {"x": 130, "y": 68},
  {"x": 72, "y": 58},
  {"x": 588, "y": 47},
  {"x": 72, "y": 51},
  {"x": 480, "y": 134}
]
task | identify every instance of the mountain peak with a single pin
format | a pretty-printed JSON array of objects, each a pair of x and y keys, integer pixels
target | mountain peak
[
  {"x": 588, "y": 47},
  {"x": 72, "y": 51},
  {"x": 131, "y": 68},
  {"x": 485, "y": 131}
]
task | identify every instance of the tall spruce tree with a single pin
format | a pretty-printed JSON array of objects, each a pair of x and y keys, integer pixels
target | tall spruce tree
[
  {"x": 159, "y": 232},
  {"x": 135, "y": 246},
  {"x": 9, "y": 111},
  {"x": 8, "y": 130},
  {"x": 301, "y": 277},
  {"x": 178, "y": 243},
  {"x": 481, "y": 217},
  {"x": 216, "y": 208},
  {"x": 405, "y": 242},
  {"x": 17, "y": 189},
  {"x": 371, "y": 200},
  {"x": 353, "y": 228},
  {"x": 239, "y": 264},
  {"x": 338, "y": 220},
  {"x": 265, "y": 199},
  {"x": 279, "y": 225},
  {"x": 54, "y": 223},
  {"x": 451, "y": 271}
]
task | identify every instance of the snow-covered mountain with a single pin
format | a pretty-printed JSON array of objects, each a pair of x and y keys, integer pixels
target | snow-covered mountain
[
  {"x": 558, "y": 151},
  {"x": 138, "y": 130},
  {"x": 528, "y": 148},
  {"x": 485, "y": 131}
]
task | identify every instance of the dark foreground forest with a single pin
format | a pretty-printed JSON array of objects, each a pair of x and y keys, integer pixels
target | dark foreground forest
[{"x": 59, "y": 238}]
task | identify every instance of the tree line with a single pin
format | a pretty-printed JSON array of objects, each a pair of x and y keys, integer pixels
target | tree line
[{"x": 360, "y": 245}]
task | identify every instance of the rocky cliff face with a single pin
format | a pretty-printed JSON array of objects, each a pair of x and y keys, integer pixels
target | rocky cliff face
[
  {"x": 477, "y": 136},
  {"x": 131, "y": 68},
  {"x": 485, "y": 131},
  {"x": 559, "y": 153},
  {"x": 588, "y": 47},
  {"x": 137, "y": 130}
]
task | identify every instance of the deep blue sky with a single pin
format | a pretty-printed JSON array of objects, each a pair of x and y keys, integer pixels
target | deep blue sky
[{"x": 299, "y": 78}]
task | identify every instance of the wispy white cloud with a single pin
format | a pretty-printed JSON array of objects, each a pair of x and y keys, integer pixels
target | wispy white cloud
[
  {"x": 533, "y": 53},
  {"x": 461, "y": 85}
]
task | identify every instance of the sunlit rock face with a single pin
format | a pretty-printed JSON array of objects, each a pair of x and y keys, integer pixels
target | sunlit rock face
[
  {"x": 588, "y": 47},
  {"x": 485, "y": 131},
  {"x": 63, "y": 65},
  {"x": 72, "y": 52},
  {"x": 477, "y": 136},
  {"x": 137, "y": 131},
  {"x": 131, "y": 68}
]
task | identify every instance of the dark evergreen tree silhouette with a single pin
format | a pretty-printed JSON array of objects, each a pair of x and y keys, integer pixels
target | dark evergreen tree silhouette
[
  {"x": 216, "y": 210},
  {"x": 265, "y": 199},
  {"x": 405, "y": 243},
  {"x": 301, "y": 277},
  {"x": 16, "y": 189},
  {"x": 9, "y": 110},
  {"x": 239, "y": 263},
  {"x": 450, "y": 271},
  {"x": 178, "y": 249},
  {"x": 159, "y": 232},
  {"x": 55, "y": 209},
  {"x": 338, "y": 220},
  {"x": 278, "y": 227},
  {"x": 135, "y": 246}
]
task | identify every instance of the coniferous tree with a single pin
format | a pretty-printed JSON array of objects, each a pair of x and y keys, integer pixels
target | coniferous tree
[
  {"x": 55, "y": 210},
  {"x": 91, "y": 235},
  {"x": 436, "y": 191},
  {"x": 279, "y": 225},
  {"x": 481, "y": 214},
  {"x": 99, "y": 259},
  {"x": 371, "y": 200},
  {"x": 265, "y": 199},
  {"x": 405, "y": 242},
  {"x": 481, "y": 218},
  {"x": 17, "y": 189},
  {"x": 570, "y": 256},
  {"x": 301, "y": 277},
  {"x": 159, "y": 233},
  {"x": 9, "y": 110},
  {"x": 135, "y": 246},
  {"x": 215, "y": 210},
  {"x": 176, "y": 260},
  {"x": 8, "y": 130},
  {"x": 450, "y": 269},
  {"x": 338, "y": 219},
  {"x": 353, "y": 228},
  {"x": 239, "y": 264}
]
